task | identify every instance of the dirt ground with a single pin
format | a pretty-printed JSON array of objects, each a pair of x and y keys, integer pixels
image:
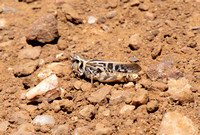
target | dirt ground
[{"x": 164, "y": 29}]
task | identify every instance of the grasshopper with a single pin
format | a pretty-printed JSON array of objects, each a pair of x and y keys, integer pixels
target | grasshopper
[{"x": 105, "y": 71}]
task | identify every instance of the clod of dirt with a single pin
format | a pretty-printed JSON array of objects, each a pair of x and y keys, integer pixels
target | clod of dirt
[
  {"x": 149, "y": 16},
  {"x": 25, "y": 129},
  {"x": 61, "y": 130},
  {"x": 30, "y": 53},
  {"x": 174, "y": 123},
  {"x": 127, "y": 109},
  {"x": 43, "y": 119},
  {"x": 99, "y": 96},
  {"x": 119, "y": 96},
  {"x": 140, "y": 97},
  {"x": 62, "y": 44},
  {"x": 88, "y": 111},
  {"x": 20, "y": 117},
  {"x": 135, "y": 41},
  {"x": 162, "y": 70},
  {"x": 86, "y": 86},
  {"x": 25, "y": 69},
  {"x": 43, "y": 30},
  {"x": 56, "y": 105},
  {"x": 159, "y": 86},
  {"x": 4, "y": 126},
  {"x": 180, "y": 90},
  {"x": 47, "y": 90},
  {"x": 2, "y": 23},
  {"x": 81, "y": 131},
  {"x": 156, "y": 51},
  {"x": 102, "y": 130},
  {"x": 70, "y": 14},
  {"x": 58, "y": 68},
  {"x": 78, "y": 84},
  {"x": 67, "y": 105},
  {"x": 152, "y": 106}
]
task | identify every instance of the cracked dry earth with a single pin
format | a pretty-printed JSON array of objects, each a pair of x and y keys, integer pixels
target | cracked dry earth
[{"x": 37, "y": 38}]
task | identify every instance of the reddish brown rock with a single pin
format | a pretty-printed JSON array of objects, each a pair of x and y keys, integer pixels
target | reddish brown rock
[
  {"x": 87, "y": 112},
  {"x": 140, "y": 97},
  {"x": 99, "y": 96},
  {"x": 152, "y": 106},
  {"x": 135, "y": 41},
  {"x": 43, "y": 30},
  {"x": 25, "y": 69},
  {"x": 30, "y": 53}
]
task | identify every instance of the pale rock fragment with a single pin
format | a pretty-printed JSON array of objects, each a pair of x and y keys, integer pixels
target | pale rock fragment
[
  {"x": 47, "y": 90},
  {"x": 180, "y": 90},
  {"x": 44, "y": 119},
  {"x": 127, "y": 109},
  {"x": 174, "y": 123}
]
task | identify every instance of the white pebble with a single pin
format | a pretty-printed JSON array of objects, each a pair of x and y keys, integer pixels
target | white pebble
[
  {"x": 43, "y": 119},
  {"x": 91, "y": 19},
  {"x": 49, "y": 87}
]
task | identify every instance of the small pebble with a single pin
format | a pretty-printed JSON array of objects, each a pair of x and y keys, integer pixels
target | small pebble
[
  {"x": 2, "y": 23},
  {"x": 149, "y": 16},
  {"x": 119, "y": 96},
  {"x": 87, "y": 112},
  {"x": 127, "y": 109},
  {"x": 152, "y": 106},
  {"x": 133, "y": 59},
  {"x": 135, "y": 3},
  {"x": 129, "y": 85},
  {"x": 44, "y": 119},
  {"x": 156, "y": 51},
  {"x": 135, "y": 41},
  {"x": 112, "y": 14},
  {"x": 91, "y": 19},
  {"x": 140, "y": 97},
  {"x": 143, "y": 7}
]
